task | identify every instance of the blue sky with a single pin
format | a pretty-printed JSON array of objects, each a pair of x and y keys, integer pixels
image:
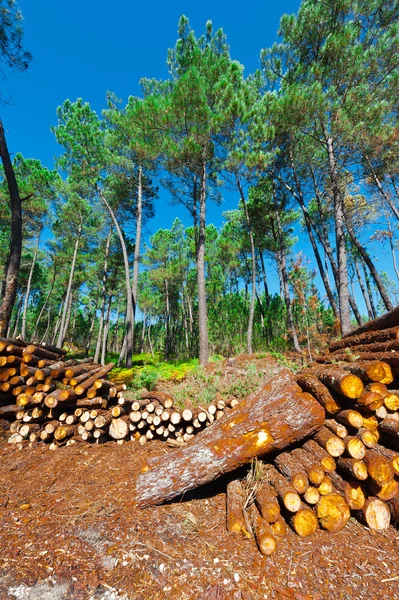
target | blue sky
[{"x": 88, "y": 47}]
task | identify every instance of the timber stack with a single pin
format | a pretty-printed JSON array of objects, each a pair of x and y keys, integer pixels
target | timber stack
[
  {"x": 46, "y": 397},
  {"x": 330, "y": 433},
  {"x": 347, "y": 466}
]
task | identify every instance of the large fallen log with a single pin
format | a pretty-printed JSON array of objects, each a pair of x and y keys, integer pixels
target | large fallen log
[{"x": 274, "y": 418}]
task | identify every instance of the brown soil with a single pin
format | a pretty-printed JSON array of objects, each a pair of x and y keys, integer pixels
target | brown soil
[
  {"x": 70, "y": 529},
  {"x": 69, "y": 517}
]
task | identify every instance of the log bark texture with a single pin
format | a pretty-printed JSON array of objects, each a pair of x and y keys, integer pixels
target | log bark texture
[{"x": 274, "y": 418}]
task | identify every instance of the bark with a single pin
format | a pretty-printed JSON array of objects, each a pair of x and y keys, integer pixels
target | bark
[
  {"x": 28, "y": 287},
  {"x": 277, "y": 416},
  {"x": 103, "y": 298},
  {"x": 235, "y": 499},
  {"x": 253, "y": 266},
  {"x": 363, "y": 289},
  {"x": 129, "y": 336},
  {"x": 310, "y": 383},
  {"x": 308, "y": 223},
  {"x": 64, "y": 323},
  {"x": 383, "y": 193},
  {"x": 343, "y": 290},
  {"x": 374, "y": 273},
  {"x": 281, "y": 257},
  {"x": 370, "y": 291},
  {"x": 139, "y": 221},
  {"x": 11, "y": 271},
  {"x": 106, "y": 330},
  {"x": 17, "y": 316},
  {"x": 44, "y": 303},
  {"x": 202, "y": 309},
  {"x": 368, "y": 337}
]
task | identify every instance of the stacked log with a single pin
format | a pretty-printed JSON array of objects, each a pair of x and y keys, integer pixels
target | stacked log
[
  {"x": 350, "y": 467},
  {"x": 47, "y": 397},
  {"x": 341, "y": 413}
]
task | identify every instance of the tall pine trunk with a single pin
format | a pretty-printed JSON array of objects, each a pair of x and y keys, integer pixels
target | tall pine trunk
[
  {"x": 253, "y": 267},
  {"x": 28, "y": 287},
  {"x": 64, "y": 323},
  {"x": 129, "y": 302},
  {"x": 364, "y": 292},
  {"x": 343, "y": 289},
  {"x": 202, "y": 310},
  {"x": 281, "y": 257},
  {"x": 103, "y": 298},
  {"x": 11, "y": 271},
  {"x": 366, "y": 257},
  {"x": 139, "y": 225}
]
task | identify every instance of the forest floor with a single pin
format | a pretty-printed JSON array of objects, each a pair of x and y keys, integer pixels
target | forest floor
[{"x": 70, "y": 529}]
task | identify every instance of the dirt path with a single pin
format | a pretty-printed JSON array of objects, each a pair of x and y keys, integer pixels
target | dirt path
[{"x": 69, "y": 528}]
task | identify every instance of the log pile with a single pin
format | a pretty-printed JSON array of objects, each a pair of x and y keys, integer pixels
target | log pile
[
  {"x": 330, "y": 433},
  {"x": 348, "y": 467},
  {"x": 46, "y": 397}
]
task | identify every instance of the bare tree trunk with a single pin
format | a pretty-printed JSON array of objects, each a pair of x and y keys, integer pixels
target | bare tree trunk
[
  {"x": 93, "y": 319},
  {"x": 64, "y": 325},
  {"x": 383, "y": 193},
  {"x": 139, "y": 221},
  {"x": 365, "y": 295},
  {"x": 370, "y": 291},
  {"x": 343, "y": 291},
  {"x": 104, "y": 286},
  {"x": 58, "y": 322},
  {"x": 129, "y": 302},
  {"x": 17, "y": 316},
  {"x": 253, "y": 267},
  {"x": 168, "y": 348},
  {"x": 26, "y": 303},
  {"x": 68, "y": 316},
  {"x": 390, "y": 236},
  {"x": 143, "y": 334},
  {"x": 106, "y": 330},
  {"x": 11, "y": 271},
  {"x": 114, "y": 342},
  {"x": 202, "y": 311},
  {"x": 281, "y": 257},
  {"x": 374, "y": 273},
  {"x": 325, "y": 242},
  {"x": 44, "y": 304},
  {"x": 149, "y": 339}
]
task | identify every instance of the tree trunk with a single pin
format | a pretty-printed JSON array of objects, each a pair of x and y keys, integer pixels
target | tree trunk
[
  {"x": 68, "y": 316},
  {"x": 44, "y": 304},
  {"x": 11, "y": 271},
  {"x": 365, "y": 294},
  {"x": 364, "y": 254},
  {"x": 139, "y": 221},
  {"x": 26, "y": 303},
  {"x": 272, "y": 419},
  {"x": 284, "y": 280},
  {"x": 129, "y": 303},
  {"x": 343, "y": 291},
  {"x": 64, "y": 325},
  {"x": 383, "y": 193},
  {"x": 104, "y": 297},
  {"x": 202, "y": 310},
  {"x": 106, "y": 329},
  {"x": 57, "y": 323},
  {"x": 93, "y": 319},
  {"x": 253, "y": 267},
  {"x": 325, "y": 242},
  {"x": 308, "y": 223},
  {"x": 17, "y": 316}
]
